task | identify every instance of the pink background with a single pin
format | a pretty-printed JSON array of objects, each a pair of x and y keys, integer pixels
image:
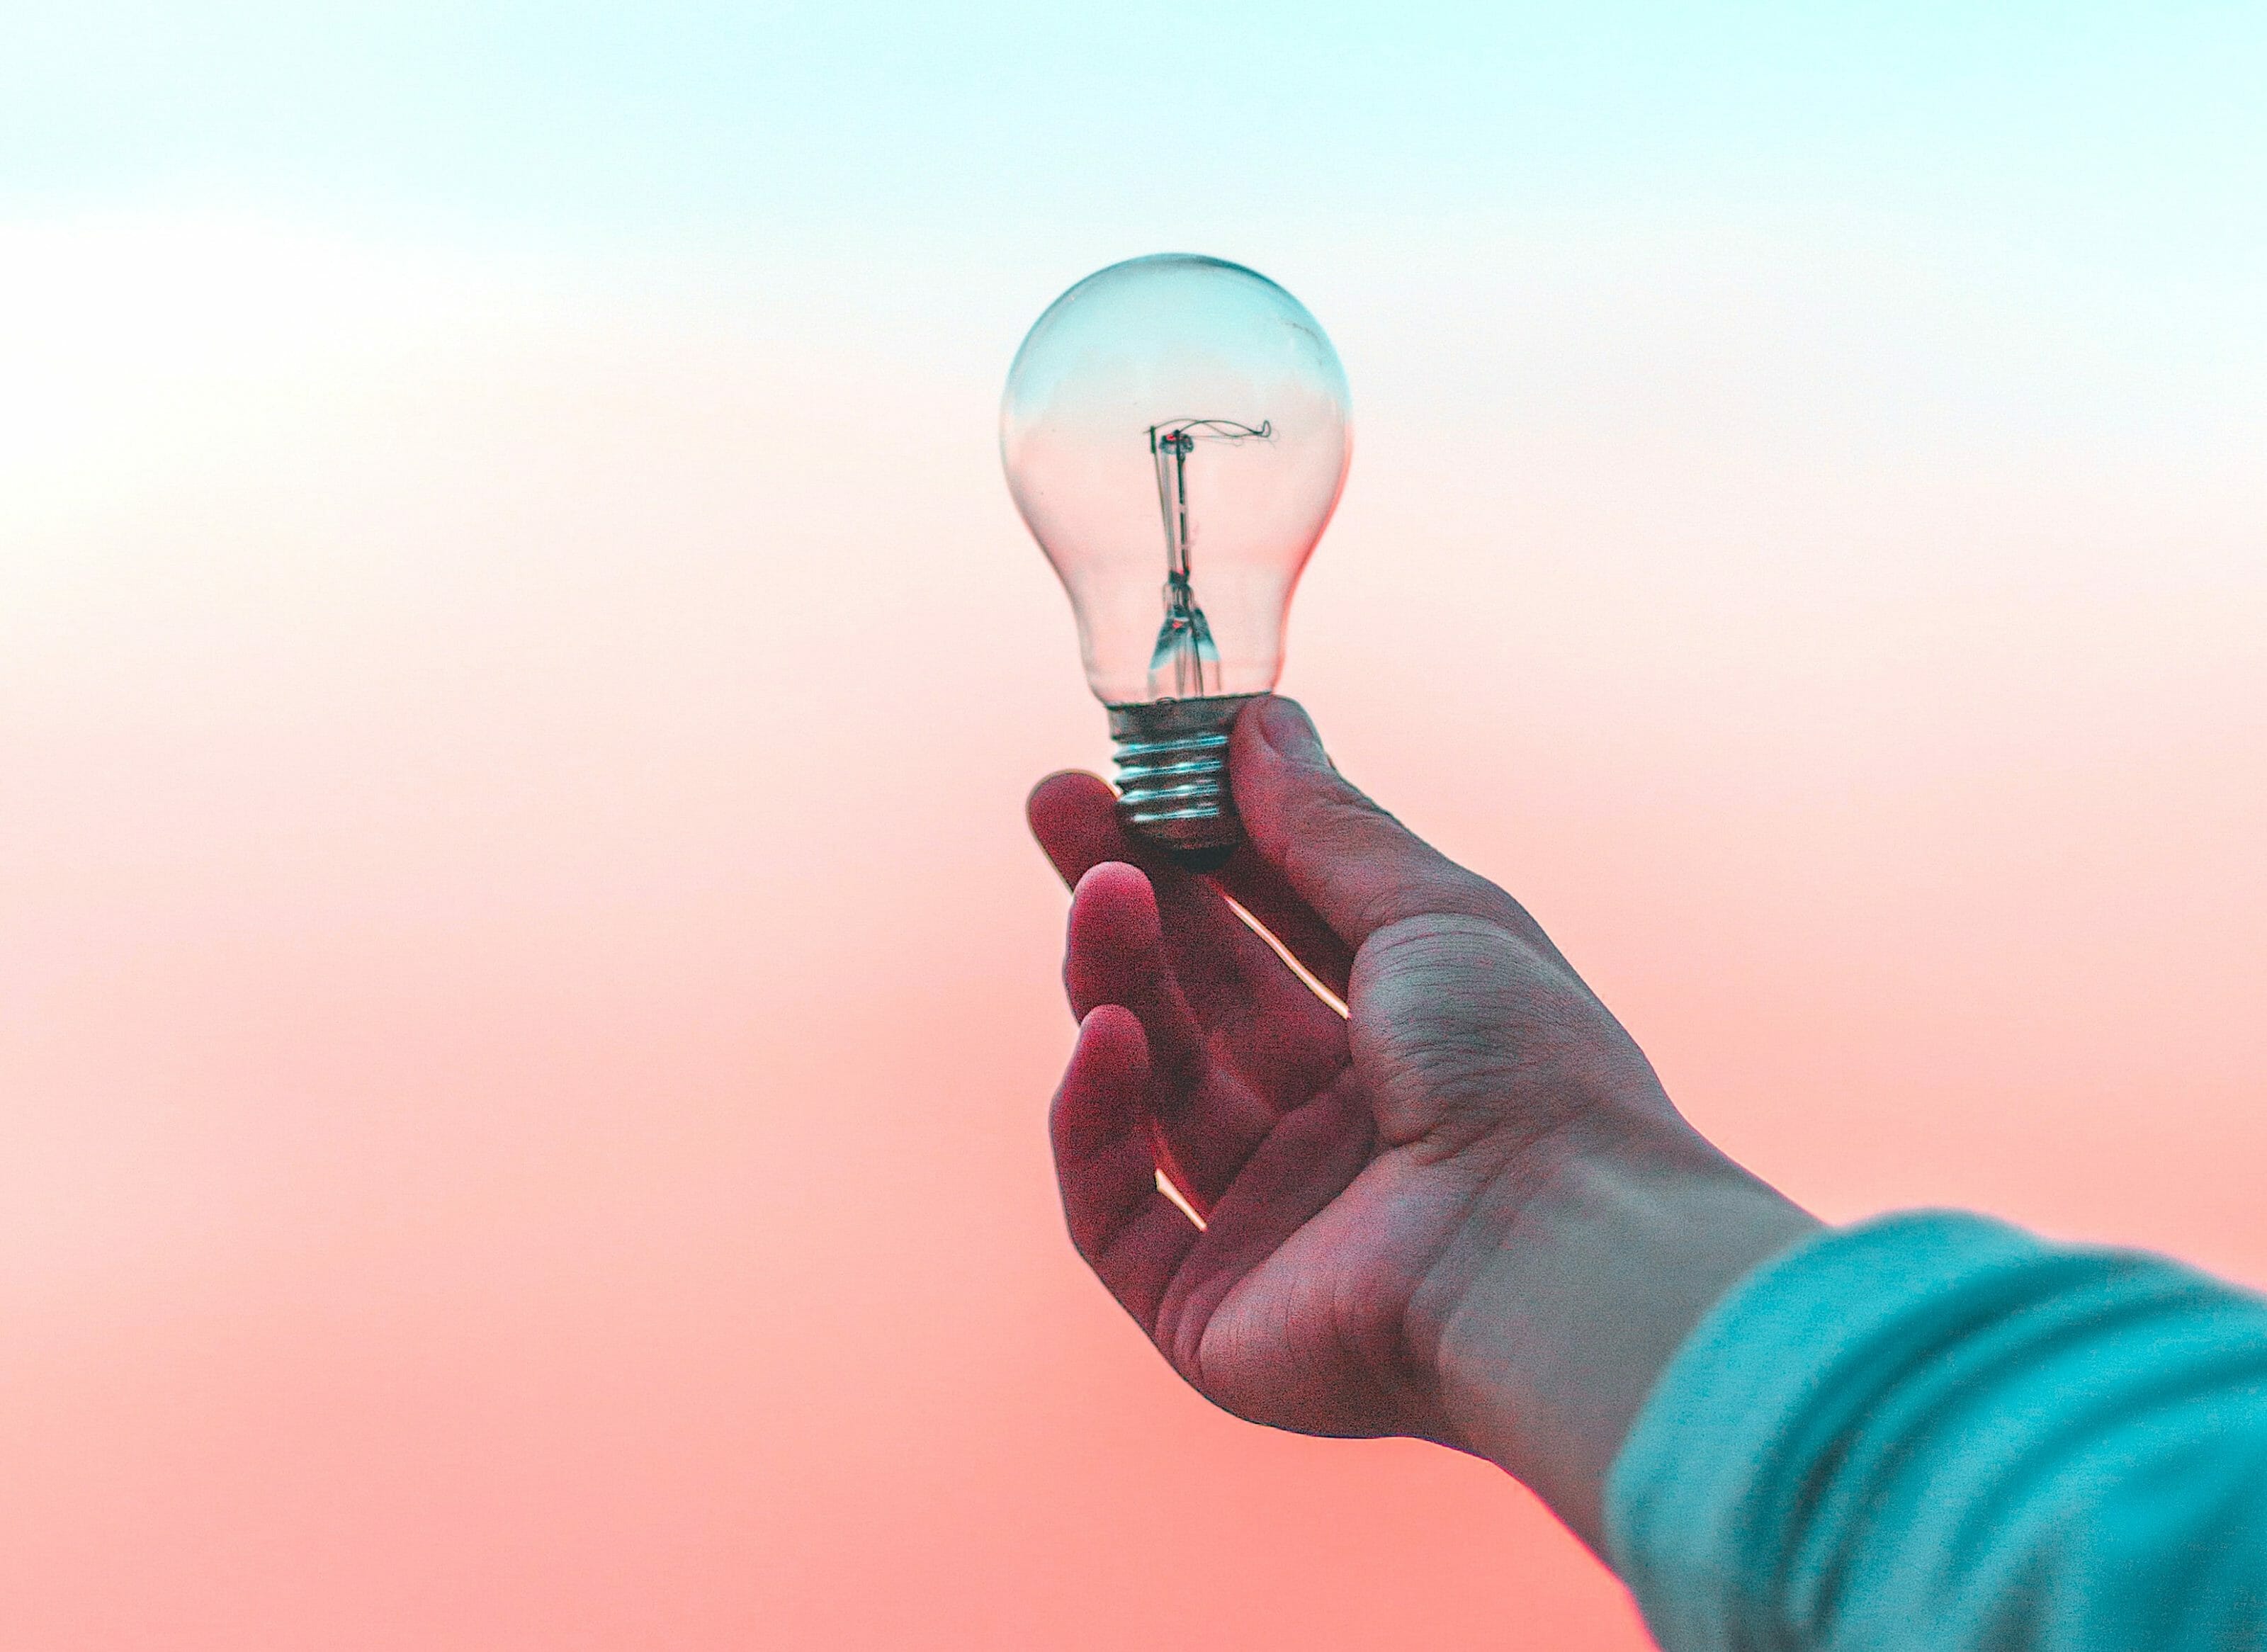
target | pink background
[{"x": 526, "y": 1008}]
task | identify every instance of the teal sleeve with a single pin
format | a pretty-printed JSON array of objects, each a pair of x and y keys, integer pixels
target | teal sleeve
[{"x": 1937, "y": 1432}]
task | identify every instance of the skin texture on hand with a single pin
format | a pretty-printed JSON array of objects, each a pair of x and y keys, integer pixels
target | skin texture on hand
[{"x": 1413, "y": 1213}]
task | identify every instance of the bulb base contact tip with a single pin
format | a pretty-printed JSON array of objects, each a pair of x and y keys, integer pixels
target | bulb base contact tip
[{"x": 1173, "y": 776}]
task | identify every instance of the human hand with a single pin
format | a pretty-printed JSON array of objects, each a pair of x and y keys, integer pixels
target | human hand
[{"x": 1361, "y": 1177}]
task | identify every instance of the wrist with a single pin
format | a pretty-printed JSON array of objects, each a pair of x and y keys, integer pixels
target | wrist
[{"x": 1581, "y": 1270}]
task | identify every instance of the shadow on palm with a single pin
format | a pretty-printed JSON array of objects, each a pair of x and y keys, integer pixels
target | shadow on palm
[{"x": 1203, "y": 1055}]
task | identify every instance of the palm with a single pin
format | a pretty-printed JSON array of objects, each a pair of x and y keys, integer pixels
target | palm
[{"x": 1309, "y": 1155}]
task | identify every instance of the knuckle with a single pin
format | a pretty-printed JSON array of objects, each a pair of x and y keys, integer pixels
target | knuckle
[{"x": 1472, "y": 1029}]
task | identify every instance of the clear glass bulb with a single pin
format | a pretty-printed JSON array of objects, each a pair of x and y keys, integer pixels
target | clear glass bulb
[{"x": 1175, "y": 433}]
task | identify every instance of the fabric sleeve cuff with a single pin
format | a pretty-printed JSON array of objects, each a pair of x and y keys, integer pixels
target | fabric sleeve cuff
[{"x": 1699, "y": 1499}]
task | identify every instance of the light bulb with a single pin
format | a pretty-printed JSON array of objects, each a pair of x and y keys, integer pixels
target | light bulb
[{"x": 1174, "y": 433}]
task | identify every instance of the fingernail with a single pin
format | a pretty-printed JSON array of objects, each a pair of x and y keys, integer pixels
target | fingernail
[{"x": 1284, "y": 725}]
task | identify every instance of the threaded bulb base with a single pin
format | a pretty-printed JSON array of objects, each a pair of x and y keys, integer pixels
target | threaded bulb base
[{"x": 1173, "y": 776}]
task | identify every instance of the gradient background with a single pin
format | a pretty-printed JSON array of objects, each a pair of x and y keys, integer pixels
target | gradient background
[{"x": 525, "y": 1005}]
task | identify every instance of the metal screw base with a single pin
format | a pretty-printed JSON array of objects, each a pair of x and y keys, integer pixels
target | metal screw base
[{"x": 1173, "y": 776}]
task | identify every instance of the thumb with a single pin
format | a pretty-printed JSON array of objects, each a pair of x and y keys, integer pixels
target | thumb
[{"x": 1358, "y": 867}]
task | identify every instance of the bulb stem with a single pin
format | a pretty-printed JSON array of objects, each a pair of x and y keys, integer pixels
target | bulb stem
[{"x": 1173, "y": 788}]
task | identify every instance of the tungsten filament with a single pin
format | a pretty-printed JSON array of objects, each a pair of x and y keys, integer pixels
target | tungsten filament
[{"x": 1184, "y": 651}]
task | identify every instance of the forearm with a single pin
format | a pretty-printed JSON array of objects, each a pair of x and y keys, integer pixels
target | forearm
[{"x": 1579, "y": 1274}]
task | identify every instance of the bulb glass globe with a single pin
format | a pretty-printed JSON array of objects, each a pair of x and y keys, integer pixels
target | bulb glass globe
[{"x": 1176, "y": 434}]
